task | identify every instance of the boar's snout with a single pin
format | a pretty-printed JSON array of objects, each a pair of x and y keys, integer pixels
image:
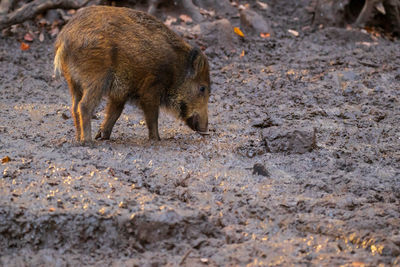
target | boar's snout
[{"x": 199, "y": 123}]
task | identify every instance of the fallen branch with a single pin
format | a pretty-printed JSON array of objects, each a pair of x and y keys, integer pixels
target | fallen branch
[
  {"x": 31, "y": 9},
  {"x": 368, "y": 64},
  {"x": 185, "y": 256}
]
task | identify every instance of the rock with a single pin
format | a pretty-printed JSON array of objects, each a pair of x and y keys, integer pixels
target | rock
[
  {"x": 346, "y": 35},
  {"x": 396, "y": 240},
  {"x": 390, "y": 249},
  {"x": 253, "y": 23},
  {"x": 291, "y": 140},
  {"x": 259, "y": 169},
  {"x": 218, "y": 34},
  {"x": 52, "y": 15}
]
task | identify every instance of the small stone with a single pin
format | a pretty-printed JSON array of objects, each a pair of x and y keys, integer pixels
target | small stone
[
  {"x": 217, "y": 34},
  {"x": 396, "y": 239},
  {"x": 259, "y": 169},
  {"x": 290, "y": 140},
  {"x": 204, "y": 260},
  {"x": 390, "y": 249},
  {"x": 252, "y": 22}
]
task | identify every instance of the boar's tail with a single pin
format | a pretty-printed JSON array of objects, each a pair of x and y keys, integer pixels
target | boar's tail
[{"x": 57, "y": 60}]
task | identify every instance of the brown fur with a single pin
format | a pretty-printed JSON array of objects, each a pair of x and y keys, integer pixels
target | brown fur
[{"x": 129, "y": 55}]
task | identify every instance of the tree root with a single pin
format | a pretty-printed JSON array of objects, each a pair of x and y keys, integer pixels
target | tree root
[
  {"x": 31, "y": 9},
  {"x": 392, "y": 13}
]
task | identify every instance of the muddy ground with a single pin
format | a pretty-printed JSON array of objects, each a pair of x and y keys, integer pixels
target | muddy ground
[{"x": 302, "y": 166}]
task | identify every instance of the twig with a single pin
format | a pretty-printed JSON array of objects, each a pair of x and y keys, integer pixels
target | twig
[
  {"x": 185, "y": 256},
  {"x": 368, "y": 64}
]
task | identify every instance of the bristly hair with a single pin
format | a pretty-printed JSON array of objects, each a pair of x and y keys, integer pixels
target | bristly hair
[
  {"x": 57, "y": 61},
  {"x": 182, "y": 109}
]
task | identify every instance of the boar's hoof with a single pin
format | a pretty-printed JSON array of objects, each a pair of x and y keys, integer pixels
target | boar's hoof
[
  {"x": 102, "y": 136},
  {"x": 204, "y": 133},
  {"x": 89, "y": 144},
  {"x": 154, "y": 137}
]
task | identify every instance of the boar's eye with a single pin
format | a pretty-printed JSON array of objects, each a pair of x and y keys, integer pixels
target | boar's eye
[{"x": 202, "y": 89}]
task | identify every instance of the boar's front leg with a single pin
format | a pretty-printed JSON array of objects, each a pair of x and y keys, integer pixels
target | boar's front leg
[
  {"x": 149, "y": 101},
  {"x": 151, "y": 110},
  {"x": 113, "y": 111}
]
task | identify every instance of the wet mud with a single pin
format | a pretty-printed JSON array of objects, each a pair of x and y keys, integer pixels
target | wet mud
[{"x": 302, "y": 166}]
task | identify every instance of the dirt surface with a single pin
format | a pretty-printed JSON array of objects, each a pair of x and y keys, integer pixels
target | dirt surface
[{"x": 302, "y": 166}]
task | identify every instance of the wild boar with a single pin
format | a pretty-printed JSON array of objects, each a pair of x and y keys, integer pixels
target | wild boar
[{"x": 129, "y": 56}]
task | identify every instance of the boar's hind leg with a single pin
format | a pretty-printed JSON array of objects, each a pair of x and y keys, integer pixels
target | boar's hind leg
[
  {"x": 113, "y": 111},
  {"x": 76, "y": 94},
  {"x": 86, "y": 106}
]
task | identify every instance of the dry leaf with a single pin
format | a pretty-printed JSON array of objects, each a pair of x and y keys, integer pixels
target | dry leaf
[
  {"x": 24, "y": 46},
  {"x": 170, "y": 20},
  {"x": 265, "y": 35},
  {"x": 293, "y": 32},
  {"x": 262, "y": 5},
  {"x": 245, "y": 6},
  {"x": 242, "y": 54},
  {"x": 238, "y": 31},
  {"x": 210, "y": 13},
  {"x": 43, "y": 22},
  {"x": 54, "y": 31},
  {"x": 111, "y": 172},
  {"x": 373, "y": 32},
  {"x": 5, "y": 159},
  {"x": 185, "y": 18},
  {"x": 367, "y": 44},
  {"x": 41, "y": 37},
  {"x": 28, "y": 37},
  {"x": 71, "y": 12}
]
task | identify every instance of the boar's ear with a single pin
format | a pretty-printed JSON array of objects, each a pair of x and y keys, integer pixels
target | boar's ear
[{"x": 196, "y": 62}]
